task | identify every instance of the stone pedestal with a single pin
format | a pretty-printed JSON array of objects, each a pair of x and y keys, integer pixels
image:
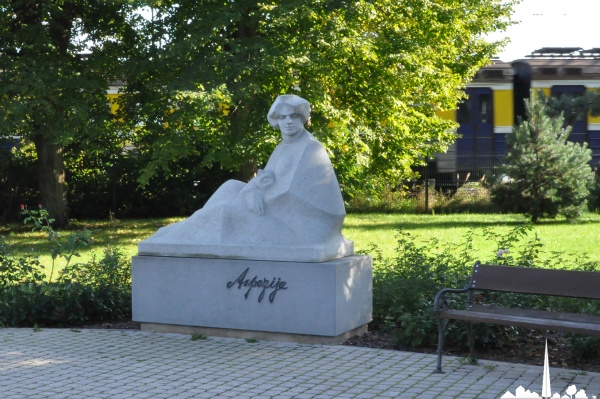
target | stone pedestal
[{"x": 323, "y": 302}]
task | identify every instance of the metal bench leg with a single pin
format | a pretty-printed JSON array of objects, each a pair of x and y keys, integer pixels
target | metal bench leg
[
  {"x": 442, "y": 326},
  {"x": 472, "y": 358}
]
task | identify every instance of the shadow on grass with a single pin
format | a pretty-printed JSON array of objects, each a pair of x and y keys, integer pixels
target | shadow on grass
[
  {"x": 437, "y": 223},
  {"x": 104, "y": 232},
  {"x": 431, "y": 225}
]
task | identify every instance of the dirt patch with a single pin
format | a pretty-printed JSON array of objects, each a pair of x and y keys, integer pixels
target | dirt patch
[
  {"x": 115, "y": 325},
  {"x": 530, "y": 350}
]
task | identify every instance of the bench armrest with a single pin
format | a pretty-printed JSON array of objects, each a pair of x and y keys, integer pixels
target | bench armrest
[{"x": 440, "y": 299}]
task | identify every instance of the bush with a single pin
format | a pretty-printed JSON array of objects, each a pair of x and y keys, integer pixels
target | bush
[
  {"x": 83, "y": 292},
  {"x": 17, "y": 178},
  {"x": 594, "y": 200},
  {"x": 92, "y": 297},
  {"x": 103, "y": 184},
  {"x": 387, "y": 199},
  {"x": 405, "y": 286},
  {"x": 584, "y": 347},
  {"x": 472, "y": 197}
]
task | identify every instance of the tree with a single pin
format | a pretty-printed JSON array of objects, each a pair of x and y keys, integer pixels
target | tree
[
  {"x": 544, "y": 174},
  {"x": 376, "y": 73},
  {"x": 50, "y": 94},
  {"x": 570, "y": 107}
]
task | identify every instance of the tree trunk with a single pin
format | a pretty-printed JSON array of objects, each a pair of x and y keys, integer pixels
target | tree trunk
[
  {"x": 246, "y": 171},
  {"x": 51, "y": 177},
  {"x": 239, "y": 123}
]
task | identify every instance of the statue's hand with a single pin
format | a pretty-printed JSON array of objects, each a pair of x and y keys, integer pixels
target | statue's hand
[
  {"x": 255, "y": 202},
  {"x": 264, "y": 179}
]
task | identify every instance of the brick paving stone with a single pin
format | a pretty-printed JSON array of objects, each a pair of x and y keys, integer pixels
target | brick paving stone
[{"x": 62, "y": 364}]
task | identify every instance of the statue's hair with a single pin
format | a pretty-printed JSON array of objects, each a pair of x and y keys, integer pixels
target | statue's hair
[{"x": 298, "y": 104}]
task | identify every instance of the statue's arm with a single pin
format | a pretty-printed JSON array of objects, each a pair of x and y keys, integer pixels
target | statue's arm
[
  {"x": 252, "y": 193},
  {"x": 255, "y": 202}
]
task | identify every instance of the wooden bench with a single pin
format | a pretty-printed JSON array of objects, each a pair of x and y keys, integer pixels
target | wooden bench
[{"x": 564, "y": 283}]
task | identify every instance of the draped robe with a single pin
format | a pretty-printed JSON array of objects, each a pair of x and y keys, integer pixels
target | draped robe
[{"x": 301, "y": 219}]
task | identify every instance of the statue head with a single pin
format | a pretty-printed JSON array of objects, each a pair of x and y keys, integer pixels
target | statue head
[{"x": 298, "y": 104}]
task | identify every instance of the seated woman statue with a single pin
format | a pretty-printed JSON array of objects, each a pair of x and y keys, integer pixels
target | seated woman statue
[{"x": 292, "y": 210}]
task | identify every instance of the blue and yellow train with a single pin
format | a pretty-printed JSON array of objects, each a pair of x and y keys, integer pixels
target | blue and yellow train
[{"x": 495, "y": 102}]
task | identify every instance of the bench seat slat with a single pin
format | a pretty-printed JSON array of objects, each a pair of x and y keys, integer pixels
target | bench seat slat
[
  {"x": 536, "y": 313},
  {"x": 591, "y": 327}
]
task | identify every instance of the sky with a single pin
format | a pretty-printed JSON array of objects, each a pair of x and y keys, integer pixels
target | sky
[{"x": 551, "y": 23}]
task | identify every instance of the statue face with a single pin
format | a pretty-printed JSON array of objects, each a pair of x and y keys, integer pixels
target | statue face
[{"x": 290, "y": 123}]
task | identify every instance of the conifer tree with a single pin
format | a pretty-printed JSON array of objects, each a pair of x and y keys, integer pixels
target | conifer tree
[{"x": 544, "y": 174}]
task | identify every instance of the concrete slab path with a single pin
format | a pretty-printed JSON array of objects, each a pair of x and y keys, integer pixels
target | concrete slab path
[{"x": 129, "y": 364}]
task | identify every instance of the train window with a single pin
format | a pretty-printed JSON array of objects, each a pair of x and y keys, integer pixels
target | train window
[
  {"x": 572, "y": 71},
  {"x": 463, "y": 113},
  {"x": 494, "y": 74},
  {"x": 570, "y": 91},
  {"x": 581, "y": 116},
  {"x": 549, "y": 71},
  {"x": 486, "y": 107}
]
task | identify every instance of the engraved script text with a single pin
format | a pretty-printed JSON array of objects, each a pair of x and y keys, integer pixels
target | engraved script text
[{"x": 275, "y": 284}]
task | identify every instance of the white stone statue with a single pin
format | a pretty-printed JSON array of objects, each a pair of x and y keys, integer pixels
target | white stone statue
[{"x": 292, "y": 210}]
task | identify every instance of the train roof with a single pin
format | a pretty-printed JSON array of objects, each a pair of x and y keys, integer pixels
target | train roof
[
  {"x": 565, "y": 52},
  {"x": 497, "y": 72},
  {"x": 548, "y": 63},
  {"x": 564, "y": 68}
]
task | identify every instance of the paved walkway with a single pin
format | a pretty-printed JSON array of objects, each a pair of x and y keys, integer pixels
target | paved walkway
[{"x": 64, "y": 364}]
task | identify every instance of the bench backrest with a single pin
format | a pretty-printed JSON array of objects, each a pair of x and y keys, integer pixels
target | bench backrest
[{"x": 536, "y": 281}]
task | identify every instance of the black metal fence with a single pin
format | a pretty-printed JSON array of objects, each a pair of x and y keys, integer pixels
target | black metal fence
[{"x": 447, "y": 172}]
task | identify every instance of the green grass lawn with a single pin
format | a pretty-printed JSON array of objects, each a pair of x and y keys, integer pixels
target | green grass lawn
[
  {"x": 578, "y": 238},
  {"x": 581, "y": 238}
]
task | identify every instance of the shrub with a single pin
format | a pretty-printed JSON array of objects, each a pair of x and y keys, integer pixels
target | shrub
[
  {"x": 404, "y": 287},
  {"x": 104, "y": 180},
  {"x": 584, "y": 347},
  {"x": 83, "y": 292},
  {"x": 544, "y": 174},
  {"x": 17, "y": 178},
  {"x": 472, "y": 197},
  {"x": 388, "y": 199},
  {"x": 100, "y": 184},
  {"x": 594, "y": 200}
]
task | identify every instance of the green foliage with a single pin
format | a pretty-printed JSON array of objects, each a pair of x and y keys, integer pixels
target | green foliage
[
  {"x": 584, "y": 347},
  {"x": 573, "y": 107},
  {"x": 104, "y": 183},
  {"x": 382, "y": 199},
  {"x": 594, "y": 200},
  {"x": 58, "y": 248},
  {"x": 197, "y": 336},
  {"x": 376, "y": 74},
  {"x": 468, "y": 198},
  {"x": 404, "y": 286},
  {"x": 24, "y": 269},
  {"x": 91, "y": 291},
  {"x": 49, "y": 93},
  {"x": 544, "y": 174},
  {"x": 17, "y": 177}
]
